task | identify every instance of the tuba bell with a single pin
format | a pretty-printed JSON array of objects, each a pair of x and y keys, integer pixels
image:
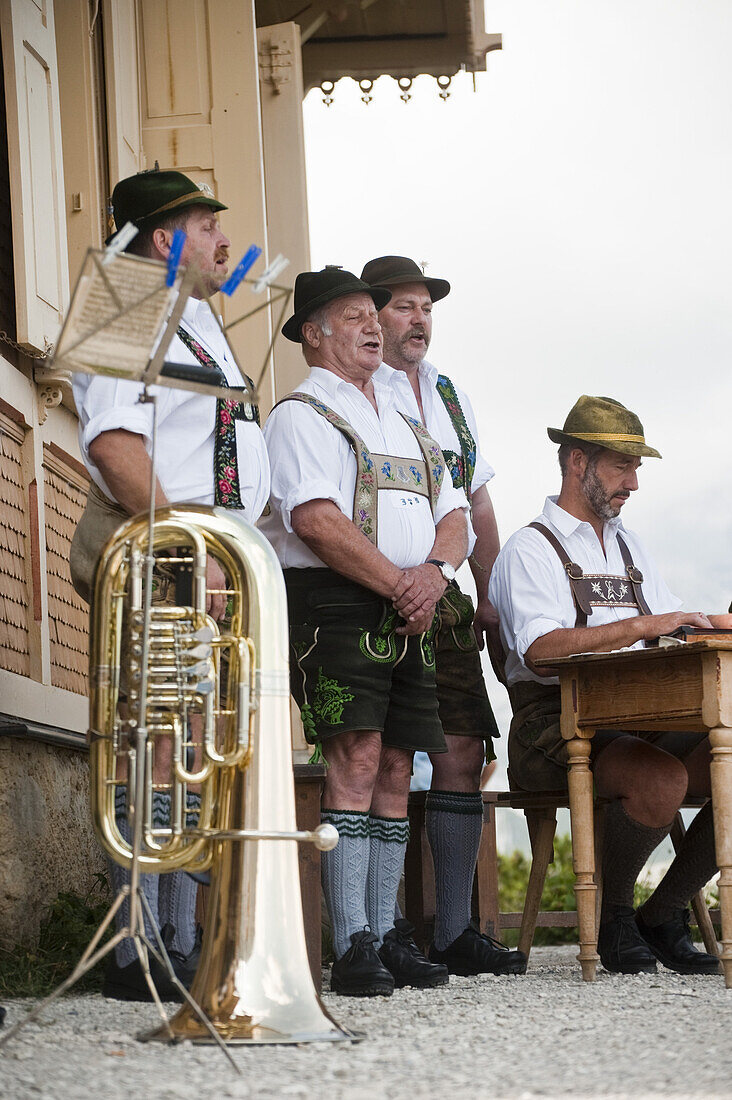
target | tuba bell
[{"x": 217, "y": 711}]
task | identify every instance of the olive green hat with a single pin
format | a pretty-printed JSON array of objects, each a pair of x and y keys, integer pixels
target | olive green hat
[
  {"x": 153, "y": 194},
  {"x": 605, "y": 421}
]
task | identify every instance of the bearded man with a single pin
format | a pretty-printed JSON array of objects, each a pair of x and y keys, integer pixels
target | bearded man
[
  {"x": 578, "y": 555},
  {"x": 454, "y": 806}
]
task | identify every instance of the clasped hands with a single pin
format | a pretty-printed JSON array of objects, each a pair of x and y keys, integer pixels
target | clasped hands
[{"x": 415, "y": 597}]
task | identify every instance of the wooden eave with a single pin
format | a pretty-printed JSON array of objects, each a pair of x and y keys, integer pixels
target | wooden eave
[{"x": 366, "y": 39}]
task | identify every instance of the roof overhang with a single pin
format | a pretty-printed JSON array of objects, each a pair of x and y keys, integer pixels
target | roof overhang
[{"x": 366, "y": 39}]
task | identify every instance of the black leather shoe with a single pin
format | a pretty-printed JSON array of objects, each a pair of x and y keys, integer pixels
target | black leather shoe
[
  {"x": 473, "y": 953},
  {"x": 127, "y": 983},
  {"x": 360, "y": 972},
  {"x": 620, "y": 945},
  {"x": 671, "y": 943},
  {"x": 406, "y": 963},
  {"x": 185, "y": 966}
]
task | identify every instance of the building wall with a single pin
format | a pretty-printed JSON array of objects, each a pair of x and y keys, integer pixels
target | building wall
[{"x": 94, "y": 94}]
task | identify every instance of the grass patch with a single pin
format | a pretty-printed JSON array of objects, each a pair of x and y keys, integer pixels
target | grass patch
[{"x": 66, "y": 930}]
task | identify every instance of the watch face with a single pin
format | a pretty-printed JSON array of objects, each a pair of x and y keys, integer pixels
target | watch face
[{"x": 448, "y": 571}]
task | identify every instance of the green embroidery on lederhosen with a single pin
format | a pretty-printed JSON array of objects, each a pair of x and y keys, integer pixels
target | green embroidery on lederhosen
[
  {"x": 380, "y": 645},
  {"x": 427, "y": 644},
  {"x": 365, "y": 497},
  {"x": 329, "y": 699},
  {"x": 447, "y": 392}
]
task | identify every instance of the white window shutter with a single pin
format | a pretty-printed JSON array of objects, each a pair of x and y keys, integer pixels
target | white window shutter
[
  {"x": 36, "y": 169},
  {"x": 123, "y": 89}
]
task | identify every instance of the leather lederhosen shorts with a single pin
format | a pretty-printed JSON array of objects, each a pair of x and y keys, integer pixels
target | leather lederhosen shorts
[
  {"x": 537, "y": 752},
  {"x": 464, "y": 707},
  {"x": 350, "y": 670}
]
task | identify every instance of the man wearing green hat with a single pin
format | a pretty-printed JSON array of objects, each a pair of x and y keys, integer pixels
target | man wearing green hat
[
  {"x": 362, "y": 518},
  {"x": 209, "y": 452},
  {"x": 575, "y": 580},
  {"x": 454, "y": 806}
]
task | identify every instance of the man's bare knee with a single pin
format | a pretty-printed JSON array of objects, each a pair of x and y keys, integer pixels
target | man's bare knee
[
  {"x": 459, "y": 768},
  {"x": 650, "y": 782},
  {"x": 353, "y": 764}
]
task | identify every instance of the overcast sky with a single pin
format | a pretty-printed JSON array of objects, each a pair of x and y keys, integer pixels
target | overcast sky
[{"x": 580, "y": 204}]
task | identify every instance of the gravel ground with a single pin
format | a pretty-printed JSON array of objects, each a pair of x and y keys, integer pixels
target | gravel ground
[{"x": 546, "y": 1034}]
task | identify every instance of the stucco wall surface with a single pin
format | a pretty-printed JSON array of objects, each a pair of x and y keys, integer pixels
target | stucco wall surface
[{"x": 46, "y": 840}]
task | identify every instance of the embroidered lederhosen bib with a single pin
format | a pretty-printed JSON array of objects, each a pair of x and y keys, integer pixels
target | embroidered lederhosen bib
[
  {"x": 462, "y": 466},
  {"x": 600, "y": 589},
  {"x": 422, "y": 477}
]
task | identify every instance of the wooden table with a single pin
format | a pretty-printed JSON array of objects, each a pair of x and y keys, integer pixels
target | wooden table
[{"x": 685, "y": 687}]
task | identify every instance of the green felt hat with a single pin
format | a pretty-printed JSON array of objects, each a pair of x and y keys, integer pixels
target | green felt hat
[
  {"x": 153, "y": 194},
  {"x": 606, "y": 422},
  {"x": 396, "y": 270},
  {"x": 314, "y": 289}
]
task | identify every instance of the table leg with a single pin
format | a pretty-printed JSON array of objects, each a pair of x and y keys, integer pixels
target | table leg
[
  {"x": 721, "y": 773},
  {"x": 581, "y": 809}
]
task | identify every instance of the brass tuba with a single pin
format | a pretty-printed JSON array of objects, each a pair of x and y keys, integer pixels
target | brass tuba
[{"x": 218, "y": 720}]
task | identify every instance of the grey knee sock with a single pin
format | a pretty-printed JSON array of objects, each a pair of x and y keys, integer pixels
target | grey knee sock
[
  {"x": 691, "y": 870},
  {"x": 626, "y": 846},
  {"x": 389, "y": 836},
  {"x": 454, "y": 822},
  {"x": 125, "y": 951},
  {"x": 345, "y": 869},
  {"x": 177, "y": 895}
]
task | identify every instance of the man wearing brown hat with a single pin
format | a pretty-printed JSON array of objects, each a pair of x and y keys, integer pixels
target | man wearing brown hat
[
  {"x": 575, "y": 580},
  {"x": 454, "y": 806},
  {"x": 209, "y": 452},
  {"x": 362, "y": 520}
]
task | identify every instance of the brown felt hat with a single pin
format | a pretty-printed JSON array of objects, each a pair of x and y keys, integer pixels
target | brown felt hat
[
  {"x": 396, "y": 270},
  {"x": 314, "y": 289},
  {"x": 152, "y": 194},
  {"x": 606, "y": 422}
]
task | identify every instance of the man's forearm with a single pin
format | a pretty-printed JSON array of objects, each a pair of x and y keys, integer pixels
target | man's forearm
[
  {"x": 342, "y": 547},
  {"x": 585, "y": 639},
  {"x": 125, "y": 465},
  {"x": 487, "y": 542},
  {"x": 451, "y": 539}
]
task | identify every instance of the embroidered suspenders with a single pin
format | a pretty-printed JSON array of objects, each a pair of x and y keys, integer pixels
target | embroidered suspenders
[
  {"x": 373, "y": 472},
  {"x": 599, "y": 589},
  {"x": 462, "y": 467},
  {"x": 226, "y": 464}
]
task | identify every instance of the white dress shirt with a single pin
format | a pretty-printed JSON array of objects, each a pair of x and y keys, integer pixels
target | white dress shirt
[
  {"x": 436, "y": 417},
  {"x": 312, "y": 460},
  {"x": 186, "y": 422},
  {"x": 530, "y": 588}
]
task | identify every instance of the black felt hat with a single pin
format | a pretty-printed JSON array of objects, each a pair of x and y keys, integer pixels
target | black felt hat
[
  {"x": 314, "y": 289},
  {"x": 148, "y": 195},
  {"x": 395, "y": 270}
]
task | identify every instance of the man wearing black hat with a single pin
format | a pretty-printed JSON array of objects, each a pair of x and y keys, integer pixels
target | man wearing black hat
[
  {"x": 575, "y": 580},
  {"x": 454, "y": 807},
  {"x": 209, "y": 452},
  {"x": 363, "y": 523}
]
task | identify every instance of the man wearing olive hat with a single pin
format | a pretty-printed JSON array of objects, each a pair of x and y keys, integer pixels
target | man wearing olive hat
[
  {"x": 575, "y": 580},
  {"x": 360, "y": 507},
  {"x": 454, "y": 806},
  {"x": 209, "y": 452}
]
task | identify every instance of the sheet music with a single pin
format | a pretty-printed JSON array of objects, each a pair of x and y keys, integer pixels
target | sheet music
[{"x": 116, "y": 317}]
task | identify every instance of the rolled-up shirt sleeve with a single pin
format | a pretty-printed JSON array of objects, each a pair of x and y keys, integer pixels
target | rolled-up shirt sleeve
[
  {"x": 308, "y": 460},
  {"x": 523, "y": 587}
]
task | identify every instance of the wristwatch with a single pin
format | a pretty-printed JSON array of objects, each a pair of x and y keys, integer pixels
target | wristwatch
[{"x": 447, "y": 570}]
